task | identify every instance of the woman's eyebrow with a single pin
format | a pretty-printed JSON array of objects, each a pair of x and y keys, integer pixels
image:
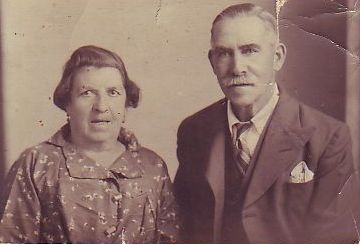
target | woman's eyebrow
[
  {"x": 85, "y": 87},
  {"x": 116, "y": 86}
]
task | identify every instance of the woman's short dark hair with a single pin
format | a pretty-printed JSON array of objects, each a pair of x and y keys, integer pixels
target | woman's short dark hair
[{"x": 97, "y": 57}]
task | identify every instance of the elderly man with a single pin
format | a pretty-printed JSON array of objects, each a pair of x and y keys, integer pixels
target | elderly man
[{"x": 259, "y": 166}]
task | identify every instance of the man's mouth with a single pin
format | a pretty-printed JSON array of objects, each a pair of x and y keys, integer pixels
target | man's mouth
[{"x": 241, "y": 84}]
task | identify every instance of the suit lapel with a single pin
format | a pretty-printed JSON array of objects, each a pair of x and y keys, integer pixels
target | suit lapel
[
  {"x": 215, "y": 168},
  {"x": 284, "y": 140},
  {"x": 214, "y": 147}
]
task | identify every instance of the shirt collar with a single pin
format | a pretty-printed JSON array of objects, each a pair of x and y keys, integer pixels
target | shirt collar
[
  {"x": 81, "y": 166},
  {"x": 261, "y": 117}
]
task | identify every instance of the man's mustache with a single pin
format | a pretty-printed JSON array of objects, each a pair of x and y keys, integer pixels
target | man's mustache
[
  {"x": 244, "y": 81},
  {"x": 239, "y": 81}
]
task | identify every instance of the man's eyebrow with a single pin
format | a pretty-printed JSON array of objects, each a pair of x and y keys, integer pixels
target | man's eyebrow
[
  {"x": 251, "y": 45},
  {"x": 222, "y": 48}
]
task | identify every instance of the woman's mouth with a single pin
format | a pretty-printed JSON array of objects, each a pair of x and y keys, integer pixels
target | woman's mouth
[{"x": 100, "y": 122}]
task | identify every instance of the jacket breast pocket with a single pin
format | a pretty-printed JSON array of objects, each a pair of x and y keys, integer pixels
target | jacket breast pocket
[{"x": 297, "y": 197}]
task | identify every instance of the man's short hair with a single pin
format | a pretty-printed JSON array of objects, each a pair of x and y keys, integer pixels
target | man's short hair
[{"x": 246, "y": 9}]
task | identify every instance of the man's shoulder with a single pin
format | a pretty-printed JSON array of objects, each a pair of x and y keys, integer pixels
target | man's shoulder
[
  {"x": 325, "y": 128},
  {"x": 312, "y": 116},
  {"x": 206, "y": 115},
  {"x": 293, "y": 111}
]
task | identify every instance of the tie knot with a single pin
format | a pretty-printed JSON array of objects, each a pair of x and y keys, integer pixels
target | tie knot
[{"x": 239, "y": 128}]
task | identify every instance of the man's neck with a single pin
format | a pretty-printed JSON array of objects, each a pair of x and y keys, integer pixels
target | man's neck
[
  {"x": 246, "y": 113},
  {"x": 243, "y": 113}
]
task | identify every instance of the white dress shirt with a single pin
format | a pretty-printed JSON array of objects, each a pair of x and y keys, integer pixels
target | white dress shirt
[{"x": 250, "y": 137}]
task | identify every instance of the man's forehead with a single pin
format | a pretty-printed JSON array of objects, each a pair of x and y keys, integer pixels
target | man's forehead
[{"x": 244, "y": 29}]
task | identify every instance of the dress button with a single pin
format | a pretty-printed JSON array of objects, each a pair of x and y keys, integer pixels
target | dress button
[
  {"x": 111, "y": 231},
  {"x": 117, "y": 198}
]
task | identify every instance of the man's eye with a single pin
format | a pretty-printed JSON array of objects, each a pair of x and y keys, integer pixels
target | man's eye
[
  {"x": 249, "y": 50},
  {"x": 223, "y": 53}
]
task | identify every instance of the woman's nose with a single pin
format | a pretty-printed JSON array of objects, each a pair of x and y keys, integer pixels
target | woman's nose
[{"x": 101, "y": 104}]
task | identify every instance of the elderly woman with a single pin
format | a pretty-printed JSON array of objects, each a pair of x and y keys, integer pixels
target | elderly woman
[{"x": 91, "y": 181}]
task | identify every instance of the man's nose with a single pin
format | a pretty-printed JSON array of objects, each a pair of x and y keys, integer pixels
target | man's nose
[
  {"x": 101, "y": 104},
  {"x": 239, "y": 65}
]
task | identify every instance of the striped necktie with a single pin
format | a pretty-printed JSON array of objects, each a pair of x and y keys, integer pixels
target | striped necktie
[{"x": 240, "y": 148}]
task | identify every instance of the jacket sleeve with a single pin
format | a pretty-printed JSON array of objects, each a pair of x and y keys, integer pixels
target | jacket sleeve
[
  {"x": 20, "y": 205},
  {"x": 182, "y": 185},
  {"x": 336, "y": 190},
  {"x": 335, "y": 169}
]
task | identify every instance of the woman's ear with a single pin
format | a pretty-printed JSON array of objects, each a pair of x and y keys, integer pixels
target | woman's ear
[
  {"x": 124, "y": 115},
  {"x": 279, "y": 56}
]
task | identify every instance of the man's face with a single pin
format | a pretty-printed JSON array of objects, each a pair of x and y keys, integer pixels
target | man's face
[{"x": 244, "y": 57}]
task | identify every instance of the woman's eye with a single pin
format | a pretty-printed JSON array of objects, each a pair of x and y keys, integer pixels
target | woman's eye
[
  {"x": 114, "y": 93},
  {"x": 86, "y": 93}
]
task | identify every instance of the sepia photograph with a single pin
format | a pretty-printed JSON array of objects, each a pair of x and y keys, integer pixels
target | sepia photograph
[{"x": 178, "y": 121}]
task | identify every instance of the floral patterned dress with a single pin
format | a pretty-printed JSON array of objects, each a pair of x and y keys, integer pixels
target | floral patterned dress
[{"x": 56, "y": 194}]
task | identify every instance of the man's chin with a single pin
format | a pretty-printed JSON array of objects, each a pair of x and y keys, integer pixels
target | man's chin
[
  {"x": 241, "y": 100},
  {"x": 241, "y": 103}
]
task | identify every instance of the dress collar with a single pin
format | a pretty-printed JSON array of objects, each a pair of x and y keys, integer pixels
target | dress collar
[{"x": 81, "y": 166}]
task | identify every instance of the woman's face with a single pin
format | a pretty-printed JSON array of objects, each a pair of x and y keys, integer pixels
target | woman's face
[{"x": 97, "y": 105}]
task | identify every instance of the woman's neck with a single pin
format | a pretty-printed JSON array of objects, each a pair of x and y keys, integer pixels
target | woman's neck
[
  {"x": 98, "y": 146},
  {"x": 105, "y": 156},
  {"x": 92, "y": 144}
]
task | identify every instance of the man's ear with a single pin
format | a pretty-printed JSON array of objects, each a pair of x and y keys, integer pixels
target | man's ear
[
  {"x": 279, "y": 56},
  {"x": 211, "y": 57}
]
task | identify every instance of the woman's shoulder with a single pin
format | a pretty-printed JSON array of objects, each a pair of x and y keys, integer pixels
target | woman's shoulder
[
  {"x": 147, "y": 156},
  {"x": 39, "y": 161},
  {"x": 48, "y": 150},
  {"x": 41, "y": 153},
  {"x": 150, "y": 160},
  {"x": 150, "y": 156}
]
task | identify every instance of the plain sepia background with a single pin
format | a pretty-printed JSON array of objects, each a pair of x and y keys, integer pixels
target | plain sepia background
[{"x": 164, "y": 45}]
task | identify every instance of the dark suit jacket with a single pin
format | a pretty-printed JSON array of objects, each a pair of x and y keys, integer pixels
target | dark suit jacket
[{"x": 274, "y": 210}]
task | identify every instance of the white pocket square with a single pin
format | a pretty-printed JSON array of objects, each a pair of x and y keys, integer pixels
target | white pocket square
[{"x": 301, "y": 173}]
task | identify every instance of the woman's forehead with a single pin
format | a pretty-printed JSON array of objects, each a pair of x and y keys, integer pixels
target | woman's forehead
[{"x": 98, "y": 77}]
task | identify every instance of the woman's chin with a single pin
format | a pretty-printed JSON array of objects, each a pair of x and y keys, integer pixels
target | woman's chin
[{"x": 100, "y": 137}]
